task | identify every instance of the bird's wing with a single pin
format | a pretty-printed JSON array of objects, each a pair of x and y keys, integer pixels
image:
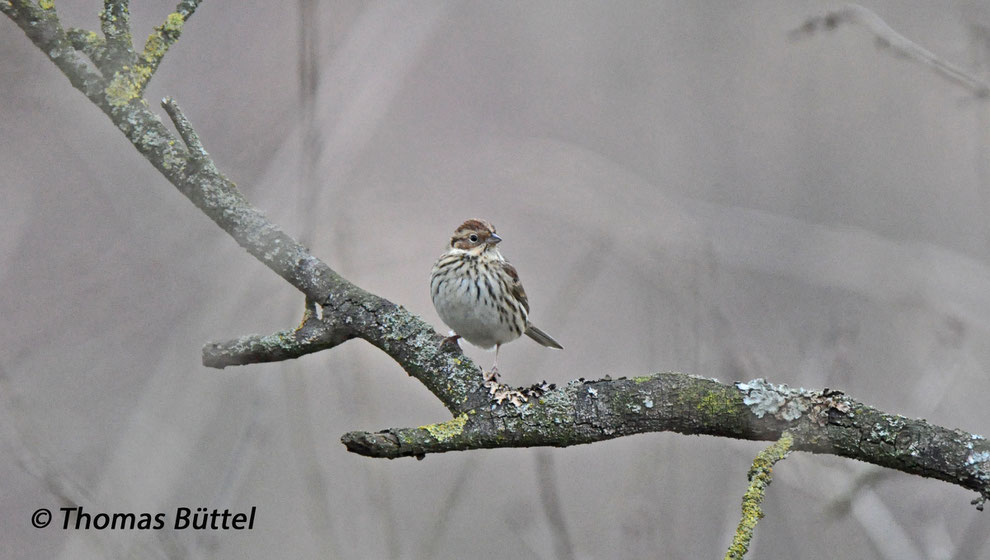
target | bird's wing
[{"x": 515, "y": 286}]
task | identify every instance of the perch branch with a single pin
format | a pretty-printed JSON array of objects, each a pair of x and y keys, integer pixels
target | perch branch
[
  {"x": 590, "y": 411},
  {"x": 898, "y": 44}
]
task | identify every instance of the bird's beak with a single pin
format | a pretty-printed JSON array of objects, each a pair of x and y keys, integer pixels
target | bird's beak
[{"x": 493, "y": 239}]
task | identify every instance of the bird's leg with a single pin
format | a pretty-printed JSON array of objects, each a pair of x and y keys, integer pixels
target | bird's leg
[{"x": 493, "y": 375}]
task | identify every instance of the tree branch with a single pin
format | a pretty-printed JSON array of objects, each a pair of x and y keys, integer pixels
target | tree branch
[
  {"x": 760, "y": 477},
  {"x": 898, "y": 44},
  {"x": 42, "y": 26},
  {"x": 161, "y": 39},
  {"x": 590, "y": 411},
  {"x": 581, "y": 412},
  {"x": 115, "y": 22}
]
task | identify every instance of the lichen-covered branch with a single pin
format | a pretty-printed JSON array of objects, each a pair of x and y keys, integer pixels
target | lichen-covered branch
[
  {"x": 91, "y": 44},
  {"x": 160, "y": 40},
  {"x": 898, "y": 44},
  {"x": 41, "y": 25},
  {"x": 760, "y": 477},
  {"x": 413, "y": 343},
  {"x": 186, "y": 131},
  {"x": 115, "y": 22},
  {"x": 590, "y": 411},
  {"x": 337, "y": 310},
  {"x": 275, "y": 347}
]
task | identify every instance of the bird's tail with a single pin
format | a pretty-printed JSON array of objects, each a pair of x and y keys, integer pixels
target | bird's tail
[{"x": 542, "y": 337}]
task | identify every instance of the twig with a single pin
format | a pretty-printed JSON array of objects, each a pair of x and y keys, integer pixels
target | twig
[
  {"x": 115, "y": 22},
  {"x": 312, "y": 336},
  {"x": 898, "y": 44},
  {"x": 42, "y": 26},
  {"x": 185, "y": 129},
  {"x": 760, "y": 476},
  {"x": 163, "y": 37}
]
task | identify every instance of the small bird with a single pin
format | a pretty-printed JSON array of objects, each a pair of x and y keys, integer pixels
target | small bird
[{"x": 478, "y": 295}]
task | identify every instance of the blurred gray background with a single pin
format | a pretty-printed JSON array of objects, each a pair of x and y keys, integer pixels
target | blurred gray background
[{"x": 680, "y": 186}]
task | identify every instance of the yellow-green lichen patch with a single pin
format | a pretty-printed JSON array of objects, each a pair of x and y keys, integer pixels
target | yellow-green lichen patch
[
  {"x": 443, "y": 431},
  {"x": 712, "y": 400},
  {"x": 127, "y": 84},
  {"x": 47, "y": 4},
  {"x": 173, "y": 22},
  {"x": 760, "y": 477},
  {"x": 716, "y": 403},
  {"x": 162, "y": 38},
  {"x": 94, "y": 39},
  {"x": 643, "y": 379}
]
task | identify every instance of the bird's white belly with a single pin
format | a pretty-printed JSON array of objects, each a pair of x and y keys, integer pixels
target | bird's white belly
[{"x": 472, "y": 314}]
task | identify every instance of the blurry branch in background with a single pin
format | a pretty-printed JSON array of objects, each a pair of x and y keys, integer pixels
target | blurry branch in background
[
  {"x": 898, "y": 44},
  {"x": 760, "y": 476},
  {"x": 59, "y": 481},
  {"x": 114, "y": 77}
]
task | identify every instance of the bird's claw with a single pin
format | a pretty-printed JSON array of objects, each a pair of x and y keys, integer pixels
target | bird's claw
[{"x": 452, "y": 339}]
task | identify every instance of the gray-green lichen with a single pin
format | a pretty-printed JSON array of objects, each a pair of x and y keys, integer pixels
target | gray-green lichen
[
  {"x": 127, "y": 85},
  {"x": 764, "y": 398},
  {"x": 785, "y": 403}
]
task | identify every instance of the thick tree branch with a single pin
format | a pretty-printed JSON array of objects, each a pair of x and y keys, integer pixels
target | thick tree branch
[
  {"x": 581, "y": 412},
  {"x": 590, "y": 411},
  {"x": 408, "y": 339}
]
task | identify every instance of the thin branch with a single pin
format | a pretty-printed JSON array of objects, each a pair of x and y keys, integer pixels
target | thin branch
[
  {"x": 163, "y": 37},
  {"x": 185, "y": 130},
  {"x": 313, "y": 336},
  {"x": 760, "y": 476},
  {"x": 898, "y": 44},
  {"x": 115, "y": 22},
  {"x": 42, "y": 26}
]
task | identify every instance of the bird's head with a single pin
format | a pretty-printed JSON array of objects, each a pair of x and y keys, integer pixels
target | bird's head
[{"x": 475, "y": 237}]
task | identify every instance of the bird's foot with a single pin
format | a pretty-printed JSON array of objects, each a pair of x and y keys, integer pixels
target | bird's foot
[
  {"x": 452, "y": 339},
  {"x": 491, "y": 376}
]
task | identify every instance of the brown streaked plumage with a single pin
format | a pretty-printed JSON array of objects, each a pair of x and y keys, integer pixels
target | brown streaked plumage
[{"x": 477, "y": 293}]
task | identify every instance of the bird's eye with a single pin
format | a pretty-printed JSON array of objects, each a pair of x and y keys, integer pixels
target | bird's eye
[{"x": 473, "y": 237}]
